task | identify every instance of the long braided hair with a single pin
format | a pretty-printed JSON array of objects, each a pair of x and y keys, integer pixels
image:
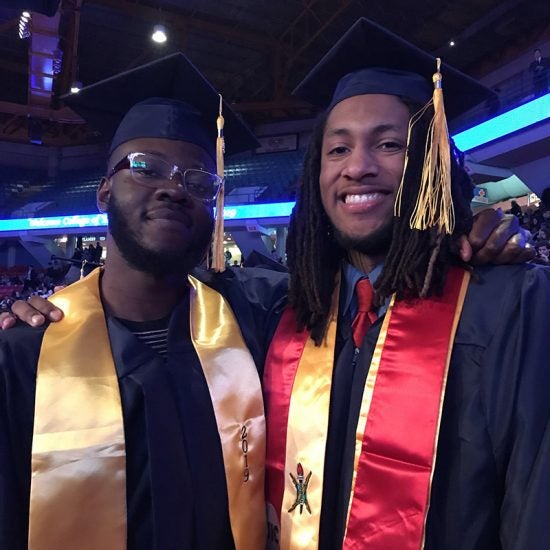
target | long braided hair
[{"x": 416, "y": 263}]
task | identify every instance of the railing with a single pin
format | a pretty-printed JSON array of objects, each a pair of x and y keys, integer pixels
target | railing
[{"x": 511, "y": 92}]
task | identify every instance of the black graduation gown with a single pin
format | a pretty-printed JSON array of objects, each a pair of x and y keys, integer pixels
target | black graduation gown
[
  {"x": 176, "y": 488},
  {"x": 491, "y": 486}
]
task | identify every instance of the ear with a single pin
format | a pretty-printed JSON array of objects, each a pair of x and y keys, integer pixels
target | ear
[{"x": 103, "y": 194}]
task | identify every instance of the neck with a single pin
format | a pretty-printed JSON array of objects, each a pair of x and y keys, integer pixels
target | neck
[
  {"x": 137, "y": 296},
  {"x": 363, "y": 262}
]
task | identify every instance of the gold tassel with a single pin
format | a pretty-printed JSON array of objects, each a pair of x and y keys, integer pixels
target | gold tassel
[
  {"x": 218, "y": 256},
  {"x": 434, "y": 204}
]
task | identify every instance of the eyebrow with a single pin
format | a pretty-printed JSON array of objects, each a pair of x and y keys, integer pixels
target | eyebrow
[{"x": 380, "y": 129}]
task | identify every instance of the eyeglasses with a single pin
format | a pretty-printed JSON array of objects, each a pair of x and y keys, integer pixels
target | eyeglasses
[{"x": 152, "y": 171}]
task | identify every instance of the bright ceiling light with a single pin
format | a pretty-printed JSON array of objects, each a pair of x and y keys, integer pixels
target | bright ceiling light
[
  {"x": 25, "y": 25},
  {"x": 76, "y": 86},
  {"x": 159, "y": 34},
  {"x": 452, "y": 43}
]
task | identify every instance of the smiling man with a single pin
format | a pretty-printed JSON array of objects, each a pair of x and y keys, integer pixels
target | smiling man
[
  {"x": 374, "y": 131},
  {"x": 406, "y": 394},
  {"x": 192, "y": 435},
  {"x": 120, "y": 426}
]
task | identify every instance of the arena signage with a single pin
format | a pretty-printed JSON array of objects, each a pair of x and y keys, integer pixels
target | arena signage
[{"x": 231, "y": 212}]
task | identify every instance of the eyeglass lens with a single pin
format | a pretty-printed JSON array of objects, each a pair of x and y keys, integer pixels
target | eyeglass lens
[{"x": 156, "y": 172}]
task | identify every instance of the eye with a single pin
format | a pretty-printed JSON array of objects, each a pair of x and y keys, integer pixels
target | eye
[
  {"x": 201, "y": 188},
  {"x": 338, "y": 150},
  {"x": 144, "y": 169},
  {"x": 391, "y": 145},
  {"x": 147, "y": 172}
]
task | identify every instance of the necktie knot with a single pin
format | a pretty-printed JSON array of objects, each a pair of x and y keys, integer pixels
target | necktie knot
[
  {"x": 365, "y": 316},
  {"x": 365, "y": 295}
]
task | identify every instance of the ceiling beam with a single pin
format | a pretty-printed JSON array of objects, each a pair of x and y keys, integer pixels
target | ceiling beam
[
  {"x": 9, "y": 25},
  {"x": 43, "y": 45},
  {"x": 70, "y": 10},
  {"x": 306, "y": 27},
  {"x": 480, "y": 24},
  {"x": 13, "y": 66},
  {"x": 321, "y": 26},
  {"x": 65, "y": 115},
  {"x": 184, "y": 21}
]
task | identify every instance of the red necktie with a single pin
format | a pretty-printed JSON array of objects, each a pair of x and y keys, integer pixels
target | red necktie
[{"x": 365, "y": 314}]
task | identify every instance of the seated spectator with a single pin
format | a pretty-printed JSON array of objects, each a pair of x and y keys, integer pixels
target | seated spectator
[
  {"x": 543, "y": 254},
  {"x": 539, "y": 68},
  {"x": 98, "y": 252},
  {"x": 515, "y": 210}
]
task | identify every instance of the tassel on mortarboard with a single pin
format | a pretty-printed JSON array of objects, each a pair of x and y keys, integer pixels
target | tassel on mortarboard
[
  {"x": 218, "y": 256},
  {"x": 434, "y": 204}
]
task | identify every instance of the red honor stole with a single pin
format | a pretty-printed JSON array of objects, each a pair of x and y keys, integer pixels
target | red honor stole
[{"x": 397, "y": 429}]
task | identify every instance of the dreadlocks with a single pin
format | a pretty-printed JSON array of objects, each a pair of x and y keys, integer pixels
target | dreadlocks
[{"x": 416, "y": 263}]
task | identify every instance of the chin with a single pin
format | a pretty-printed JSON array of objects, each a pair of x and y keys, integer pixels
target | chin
[{"x": 375, "y": 243}]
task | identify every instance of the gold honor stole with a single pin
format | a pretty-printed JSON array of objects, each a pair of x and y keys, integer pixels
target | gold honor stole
[
  {"x": 397, "y": 429},
  {"x": 78, "y": 486}
]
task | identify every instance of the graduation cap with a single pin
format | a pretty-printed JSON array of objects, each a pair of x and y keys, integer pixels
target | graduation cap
[
  {"x": 168, "y": 98},
  {"x": 370, "y": 59}
]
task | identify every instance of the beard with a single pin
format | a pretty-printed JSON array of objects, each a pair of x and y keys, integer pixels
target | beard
[
  {"x": 375, "y": 244},
  {"x": 158, "y": 263}
]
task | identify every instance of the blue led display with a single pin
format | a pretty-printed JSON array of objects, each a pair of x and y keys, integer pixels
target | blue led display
[
  {"x": 504, "y": 124},
  {"x": 230, "y": 212}
]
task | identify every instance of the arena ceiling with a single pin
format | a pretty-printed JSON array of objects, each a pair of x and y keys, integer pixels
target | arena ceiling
[{"x": 254, "y": 51}]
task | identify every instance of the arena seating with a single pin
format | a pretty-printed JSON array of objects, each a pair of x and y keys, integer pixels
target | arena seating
[{"x": 274, "y": 174}]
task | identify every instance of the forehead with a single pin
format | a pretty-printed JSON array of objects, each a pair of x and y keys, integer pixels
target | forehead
[
  {"x": 175, "y": 151},
  {"x": 368, "y": 111}
]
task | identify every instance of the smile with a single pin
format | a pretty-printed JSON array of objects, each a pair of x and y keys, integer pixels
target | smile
[{"x": 363, "y": 198}]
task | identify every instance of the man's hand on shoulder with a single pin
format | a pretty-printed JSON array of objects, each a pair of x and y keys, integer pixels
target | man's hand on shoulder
[
  {"x": 34, "y": 312},
  {"x": 496, "y": 238}
]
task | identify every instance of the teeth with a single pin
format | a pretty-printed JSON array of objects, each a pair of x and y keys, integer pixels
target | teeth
[{"x": 355, "y": 199}]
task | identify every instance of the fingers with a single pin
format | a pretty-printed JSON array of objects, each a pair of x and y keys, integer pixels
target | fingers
[
  {"x": 36, "y": 311},
  {"x": 7, "y": 320},
  {"x": 514, "y": 252},
  {"x": 484, "y": 224},
  {"x": 506, "y": 244},
  {"x": 492, "y": 228},
  {"x": 497, "y": 238},
  {"x": 465, "y": 249}
]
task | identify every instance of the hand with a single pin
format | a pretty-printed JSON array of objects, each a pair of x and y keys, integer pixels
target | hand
[
  {"x": 34, "y": 313},
  {"x": 496, "y": 238}
]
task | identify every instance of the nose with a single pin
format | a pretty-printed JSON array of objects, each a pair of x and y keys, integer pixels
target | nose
[
  {"x": 360, "y": 163},
  {"x": 174, "y": 190}
]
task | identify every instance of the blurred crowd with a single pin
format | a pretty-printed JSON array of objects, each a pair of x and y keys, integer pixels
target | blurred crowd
[
  {"x": 537, "y": 221},
  {"x": 21, "y": 282}
]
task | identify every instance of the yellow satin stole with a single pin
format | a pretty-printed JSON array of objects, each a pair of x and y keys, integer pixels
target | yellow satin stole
[{"x": 78, "y": 487}]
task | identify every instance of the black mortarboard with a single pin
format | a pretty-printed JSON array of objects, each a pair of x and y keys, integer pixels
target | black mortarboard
[
  {"x": 369, "y": 59},
  {"x": 168, "y": 98}
]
